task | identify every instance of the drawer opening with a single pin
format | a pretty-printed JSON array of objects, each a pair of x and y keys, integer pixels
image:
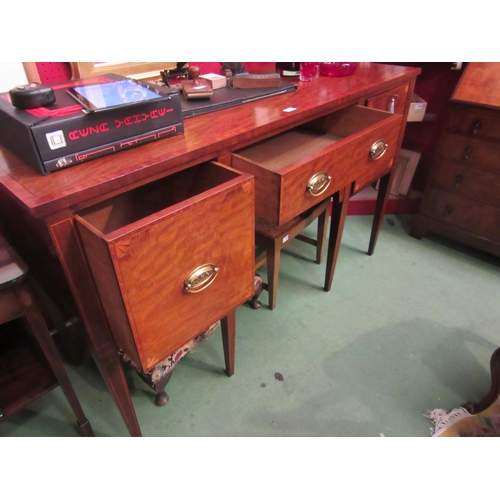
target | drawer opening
[
  {"x": 311, "y": 138},
  {"x": 127, "y": 208},
  {"x": 347, "y": 121}
]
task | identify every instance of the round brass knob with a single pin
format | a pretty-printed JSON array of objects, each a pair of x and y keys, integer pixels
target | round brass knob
[{"x": 377, "y": 150}]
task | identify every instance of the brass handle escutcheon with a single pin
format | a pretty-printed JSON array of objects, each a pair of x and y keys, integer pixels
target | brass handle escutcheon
[
  {"x": 318, "y": 183},
  {"x": 200, "y": 278},
  {"x": 377, "y": 150}
]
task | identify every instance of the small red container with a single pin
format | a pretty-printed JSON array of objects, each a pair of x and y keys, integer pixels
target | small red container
[{"x": 337, "y": 68}]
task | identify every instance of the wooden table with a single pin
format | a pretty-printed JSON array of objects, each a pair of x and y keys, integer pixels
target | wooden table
[{"x": 39, "y": 210}]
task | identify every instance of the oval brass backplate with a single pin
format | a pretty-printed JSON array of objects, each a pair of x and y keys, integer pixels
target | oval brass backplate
[
  {"x": 200, "y": 278},
  {"x": 318, "y": 183},
  {"x": 377, "y": 150}
]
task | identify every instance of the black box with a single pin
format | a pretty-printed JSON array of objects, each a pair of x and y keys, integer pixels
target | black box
[{"x": 61, "y": 135}]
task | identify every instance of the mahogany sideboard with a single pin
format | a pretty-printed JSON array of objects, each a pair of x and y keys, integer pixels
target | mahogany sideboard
[{"x": 44, "y": 214}]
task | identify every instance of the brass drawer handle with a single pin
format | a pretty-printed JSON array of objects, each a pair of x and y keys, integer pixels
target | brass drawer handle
[
  {"x": 377, "y": 150},
  {"x": 391, "y": 103},
  {"x": 467, "y": 152},
  {"x": 476, "y": 126},
  {"x": 200, "y": 278},
  {"x": 318, "y": 183}
]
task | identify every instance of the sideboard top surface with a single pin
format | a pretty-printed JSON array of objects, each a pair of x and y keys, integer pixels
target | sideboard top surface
[{"x": 204, "y": 138}]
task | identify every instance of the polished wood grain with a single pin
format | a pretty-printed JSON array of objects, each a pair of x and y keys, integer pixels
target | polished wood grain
[
  {"x": 142, "y": 245},
  {"x": 471, "y": 150},
  {"x": 461, "y": 198},
  {"x": 393, "y": 101},
  {"x": 337, "y": 144},
  {"x": 71, "y": 253},
  {"x": 472, "y": 216},
  {"x": 204, "y": 137},
  {"x": 474, "y": 121},
  {"x": 467, "y": 181},
  {"x": 380, "y": 101},
  {"x": 479, "y": 84},
  {"x": 55, "y": 198}
]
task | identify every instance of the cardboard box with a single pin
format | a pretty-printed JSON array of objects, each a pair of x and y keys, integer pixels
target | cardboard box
[
  {"x": 61, "y": 135},
  {"x": 417, "y": 109},
  {"x": 216, "y": 81}
]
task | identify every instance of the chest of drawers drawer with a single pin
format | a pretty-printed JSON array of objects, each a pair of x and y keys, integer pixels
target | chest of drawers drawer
[
  {"x": 296, "y": 169},
  {"x": 168, "y": 260},
  {"x": 469, "y": 182},
  {"x": 472, "y": 150},
  {"x": 480, "y": 123},
  {"x": 469, "y": 215}
]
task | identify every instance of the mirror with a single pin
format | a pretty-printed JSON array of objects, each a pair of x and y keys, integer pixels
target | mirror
[{"x": 136, "y": 70}]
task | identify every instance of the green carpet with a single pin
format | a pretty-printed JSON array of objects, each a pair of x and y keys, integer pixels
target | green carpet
[{"x": 404, "y": 331}]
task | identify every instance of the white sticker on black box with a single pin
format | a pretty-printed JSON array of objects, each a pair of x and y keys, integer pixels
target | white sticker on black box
[{"x": 56, "y": 139}]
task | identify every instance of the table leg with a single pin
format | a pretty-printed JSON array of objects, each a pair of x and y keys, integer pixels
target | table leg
[
  {"x": 228, "y": 327},
  {"x": 339, "y": 213},
  {"x": 378, "y": 217},
  {"x": 321, "y": 236},
  {"x": 70, "y": 252},
  {"x": 33, "y": 316},
  {"x": 273, "y": 270},
  {"x": 419, "y": 227}
]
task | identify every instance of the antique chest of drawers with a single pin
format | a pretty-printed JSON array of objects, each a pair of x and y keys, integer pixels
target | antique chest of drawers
[
  {"x": 462, "y": 199},
  {"x": 168, "y": 260}
]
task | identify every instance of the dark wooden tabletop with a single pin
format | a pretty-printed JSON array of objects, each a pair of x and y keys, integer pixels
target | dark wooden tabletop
[{"x": 204, "y": 138}]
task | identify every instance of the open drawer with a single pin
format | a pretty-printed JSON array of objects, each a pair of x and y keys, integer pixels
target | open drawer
[
  {"x": 298, "y": 168},
  {"x": 172, "y": 257}
]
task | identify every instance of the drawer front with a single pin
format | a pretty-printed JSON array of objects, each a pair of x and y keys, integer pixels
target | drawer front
[
  {"x": 469, "y": 182},
  {"x": 472, "y": 216},
  {"x": 392, "y": 101},
  {"x": 347, "y": 163},
  {"x": 154, "y": 264},
  {"x": 166, "y": 277},
  {"x": 297, "y": 169},
  {"x": 472, "y": 151},
  {"x": 474, "y": 122}
]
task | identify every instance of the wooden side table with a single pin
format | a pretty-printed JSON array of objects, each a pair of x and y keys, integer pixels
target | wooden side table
[
  {"x": 274, "y": 238},
  {"x": 24, "y": 374}
]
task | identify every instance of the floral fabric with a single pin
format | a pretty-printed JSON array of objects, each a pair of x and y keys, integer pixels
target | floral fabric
[
  {"x": 168, "y": 364},
  {"x": 460, "y": 423}
]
